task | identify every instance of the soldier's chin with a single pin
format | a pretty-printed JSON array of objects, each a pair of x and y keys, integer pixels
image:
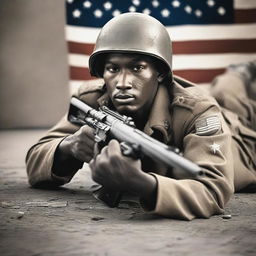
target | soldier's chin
[{"x": 127, "y": 110}]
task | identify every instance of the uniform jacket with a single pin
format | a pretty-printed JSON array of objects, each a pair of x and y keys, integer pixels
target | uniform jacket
[{"x": 191, "y": 121}]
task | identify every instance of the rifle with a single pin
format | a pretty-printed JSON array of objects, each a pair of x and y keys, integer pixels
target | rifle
[{"x": 133, "y": 142}]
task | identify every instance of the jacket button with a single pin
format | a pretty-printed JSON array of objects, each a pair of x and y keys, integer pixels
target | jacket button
[{"x": 166, "y": 125}]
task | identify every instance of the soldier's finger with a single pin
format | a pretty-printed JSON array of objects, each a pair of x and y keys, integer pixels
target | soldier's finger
[
  {"x": 114, "y": 146},
  {"x": 88, "y": 131},
  {"x": 90, "y": 143},
  {"x": 92, "y": 164},
  {"x": 96, "y": 149},
  {"x": 104, "y": 152}
]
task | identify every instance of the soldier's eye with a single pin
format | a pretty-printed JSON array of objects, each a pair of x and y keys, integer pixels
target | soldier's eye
[
  {"x": 138, "y": 68},
  {"x": 112, "y": 69}
]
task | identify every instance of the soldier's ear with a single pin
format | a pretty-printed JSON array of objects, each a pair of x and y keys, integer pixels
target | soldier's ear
[{"x": 161, "y": 77}]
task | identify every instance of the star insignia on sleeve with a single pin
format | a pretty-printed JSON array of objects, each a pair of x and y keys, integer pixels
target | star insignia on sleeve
[{"x": 215, "y": 148}]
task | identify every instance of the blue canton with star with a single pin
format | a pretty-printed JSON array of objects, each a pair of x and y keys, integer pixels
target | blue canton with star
[{"x": 95, "y": 13}]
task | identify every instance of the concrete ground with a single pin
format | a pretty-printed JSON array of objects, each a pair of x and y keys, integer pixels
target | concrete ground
[{"x": 69, "y": 221}]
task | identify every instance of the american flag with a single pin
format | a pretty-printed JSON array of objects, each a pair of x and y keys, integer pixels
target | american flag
[{"x": 207, "y": 35}]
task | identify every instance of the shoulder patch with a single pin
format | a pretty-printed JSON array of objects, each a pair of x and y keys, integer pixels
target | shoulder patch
[{"x": 208, "y": 125}]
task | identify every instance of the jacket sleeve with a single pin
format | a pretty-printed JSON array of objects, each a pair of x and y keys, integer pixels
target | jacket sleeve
[
  {"x": 200, "y": 198},
  {"x": 40, "y": 157}
]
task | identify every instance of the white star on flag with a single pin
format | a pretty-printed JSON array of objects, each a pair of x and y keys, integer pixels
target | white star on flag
[
  {"x": 188, "y": 9},
  {"x": 176, "y": 3},
  {"x": 98, "y": 13},
  {"x": 87, "y": 4},
  {"x": 155, "y": 3},
  {"x": 210, "y": 3},
  {"x": 136, "y": 2},
  {"x": 116, "y": 13},
  {"x": 215, "y": 148},
  {"x": 221, "y": 11},
  {"x": 198, "y": 13},
  {"x": 165, "y": 13},
  {"x": 132, "y": 9},
  {"x": 107, "y": 5},
  {"x": 76, "y": 13},
  {"x": 146, "y": 11}
]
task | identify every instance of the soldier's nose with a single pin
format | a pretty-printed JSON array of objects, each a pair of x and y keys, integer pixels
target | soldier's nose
[{"x": 123, "y": 81}]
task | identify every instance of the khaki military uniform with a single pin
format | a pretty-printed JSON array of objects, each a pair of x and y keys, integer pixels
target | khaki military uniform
[
  {"x": 191, "y": 121},
  {"x": 239, "y": 110}
]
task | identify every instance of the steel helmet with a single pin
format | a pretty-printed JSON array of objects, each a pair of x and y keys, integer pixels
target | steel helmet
[{"x": 132, "y": 33}]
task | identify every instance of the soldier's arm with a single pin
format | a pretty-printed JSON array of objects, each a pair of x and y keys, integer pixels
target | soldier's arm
[
  {"x": 41, "y": 158},
  {"x": 52, "y": 161},
  {"x": 205, "y": 196}
]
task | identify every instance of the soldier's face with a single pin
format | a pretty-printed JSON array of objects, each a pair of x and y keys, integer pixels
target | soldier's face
[{"x": 131, "y": 81}]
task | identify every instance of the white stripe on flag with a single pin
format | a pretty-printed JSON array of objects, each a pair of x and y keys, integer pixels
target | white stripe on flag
[
  {"x": 177, "y": 33},
  {"x": 209, "y": 61},
  {"x": 244, "y": 4},
  {"x": 212, "y": 32},
  {"x": 181, "y": 62},
  {"x": 78, "y": 60}
]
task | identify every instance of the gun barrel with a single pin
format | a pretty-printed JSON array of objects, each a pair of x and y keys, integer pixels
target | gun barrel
[{"x": 80, "y": 105}]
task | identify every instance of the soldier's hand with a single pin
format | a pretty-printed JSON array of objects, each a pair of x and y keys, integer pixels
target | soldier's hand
[
  {"x": 80, "y": 144},
  {"x": 113, "y": 170}
]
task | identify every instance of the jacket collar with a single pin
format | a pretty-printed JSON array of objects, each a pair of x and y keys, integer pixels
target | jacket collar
[{"x": 159, "y": 117}]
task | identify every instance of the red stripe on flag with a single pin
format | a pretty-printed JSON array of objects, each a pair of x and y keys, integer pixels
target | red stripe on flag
[
  {"x": 78, "y": 73},
  {"x": 80, "y": 48},
  {"x": 245, "y": 16},
  {"x": 215, "y": 46},
  {"x": 195, "y": 75},
  {"x": 199, "y": 76},
  {"x": 188, "y": 47}
]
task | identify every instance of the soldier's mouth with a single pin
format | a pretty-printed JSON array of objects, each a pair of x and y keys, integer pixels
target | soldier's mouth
[{"x": 124, "y": 98}]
